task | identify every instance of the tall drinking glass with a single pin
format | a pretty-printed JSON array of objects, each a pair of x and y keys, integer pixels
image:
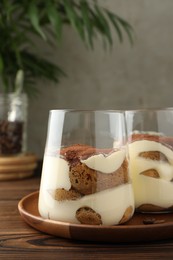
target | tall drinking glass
[{"x": 85, "y": 177}]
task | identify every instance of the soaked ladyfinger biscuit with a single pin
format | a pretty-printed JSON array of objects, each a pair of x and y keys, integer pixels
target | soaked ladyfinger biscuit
[{"x": 86, "y": 215}]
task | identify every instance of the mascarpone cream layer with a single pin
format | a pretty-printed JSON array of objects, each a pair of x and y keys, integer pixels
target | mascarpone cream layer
[
  {"x": 55, "y": 173},
  {"x": 153, "y": 191},
  {"x": 105, "y": 164},
  {"x": 110, "y": 204}
]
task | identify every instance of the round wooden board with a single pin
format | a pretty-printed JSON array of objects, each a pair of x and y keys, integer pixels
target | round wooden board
[
  {"x": 133, "y": 231},
  {"x": 15, "y": 175},
  {"x": 26, "y": 158},
  {"x": 17, "y": 166}
]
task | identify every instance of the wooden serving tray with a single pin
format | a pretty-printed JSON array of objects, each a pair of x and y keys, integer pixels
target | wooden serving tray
[{"x": 133, "y": 231}]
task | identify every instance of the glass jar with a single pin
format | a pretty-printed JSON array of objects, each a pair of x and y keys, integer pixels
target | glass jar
[{"x": 13, "y": 123}]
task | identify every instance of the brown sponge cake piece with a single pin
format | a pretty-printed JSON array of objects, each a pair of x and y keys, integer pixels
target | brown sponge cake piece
[
  {"x": 107, "y": 181},
  {"x": 127, "y": 214},
  {"x": 151, "y": 173},
  {"x": 154, "y": 155},
  {"x": 62, "y": 194},
  {"x": 86, "y": 180},
  {"x": 86, "y": 215},
  {"x": 83, "y": 179}
]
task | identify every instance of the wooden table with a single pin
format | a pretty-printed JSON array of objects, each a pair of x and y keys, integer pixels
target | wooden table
[{"x": 20, "y": 241}]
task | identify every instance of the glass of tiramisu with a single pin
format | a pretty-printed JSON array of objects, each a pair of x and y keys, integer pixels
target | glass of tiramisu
[
  {"x": 150, "y": 135},
  {"x": 85, "y": 175}
]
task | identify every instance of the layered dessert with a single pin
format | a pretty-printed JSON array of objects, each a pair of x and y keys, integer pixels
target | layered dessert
[
  {"x": 151, "y": 168},
  {"x": 82, "y": 184}
]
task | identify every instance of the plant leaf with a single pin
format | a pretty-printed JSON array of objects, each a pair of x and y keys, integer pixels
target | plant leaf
[
  {"x": 74, "y": 19},
  {"x": 127, "y": 27},
  {"x": 87, "y": 21},
  {"x": 18, "y": 29},
  {"x": 55, "y": 19},
  {"x": 104, "y": 24},
  {"x": 34, "y": 17},
  {"x": 1, "y": 64},
  {"x": 115, "y": 24}
]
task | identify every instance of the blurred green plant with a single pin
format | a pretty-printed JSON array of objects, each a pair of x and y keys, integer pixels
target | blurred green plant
[{"x": 22, "y": 21}]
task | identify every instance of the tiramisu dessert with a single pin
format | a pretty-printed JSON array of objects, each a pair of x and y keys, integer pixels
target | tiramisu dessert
[
  {"x": 151, "y": 168},
  {"x": 82, "y": 184}
]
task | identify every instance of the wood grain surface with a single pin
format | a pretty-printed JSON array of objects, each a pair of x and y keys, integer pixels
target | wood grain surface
[{"x": 20, "y": 241}]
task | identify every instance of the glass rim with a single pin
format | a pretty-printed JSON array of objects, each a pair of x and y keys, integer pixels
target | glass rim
[
  {"x": 156, "y": 109},
  {"x": 121, "y": 111}
]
